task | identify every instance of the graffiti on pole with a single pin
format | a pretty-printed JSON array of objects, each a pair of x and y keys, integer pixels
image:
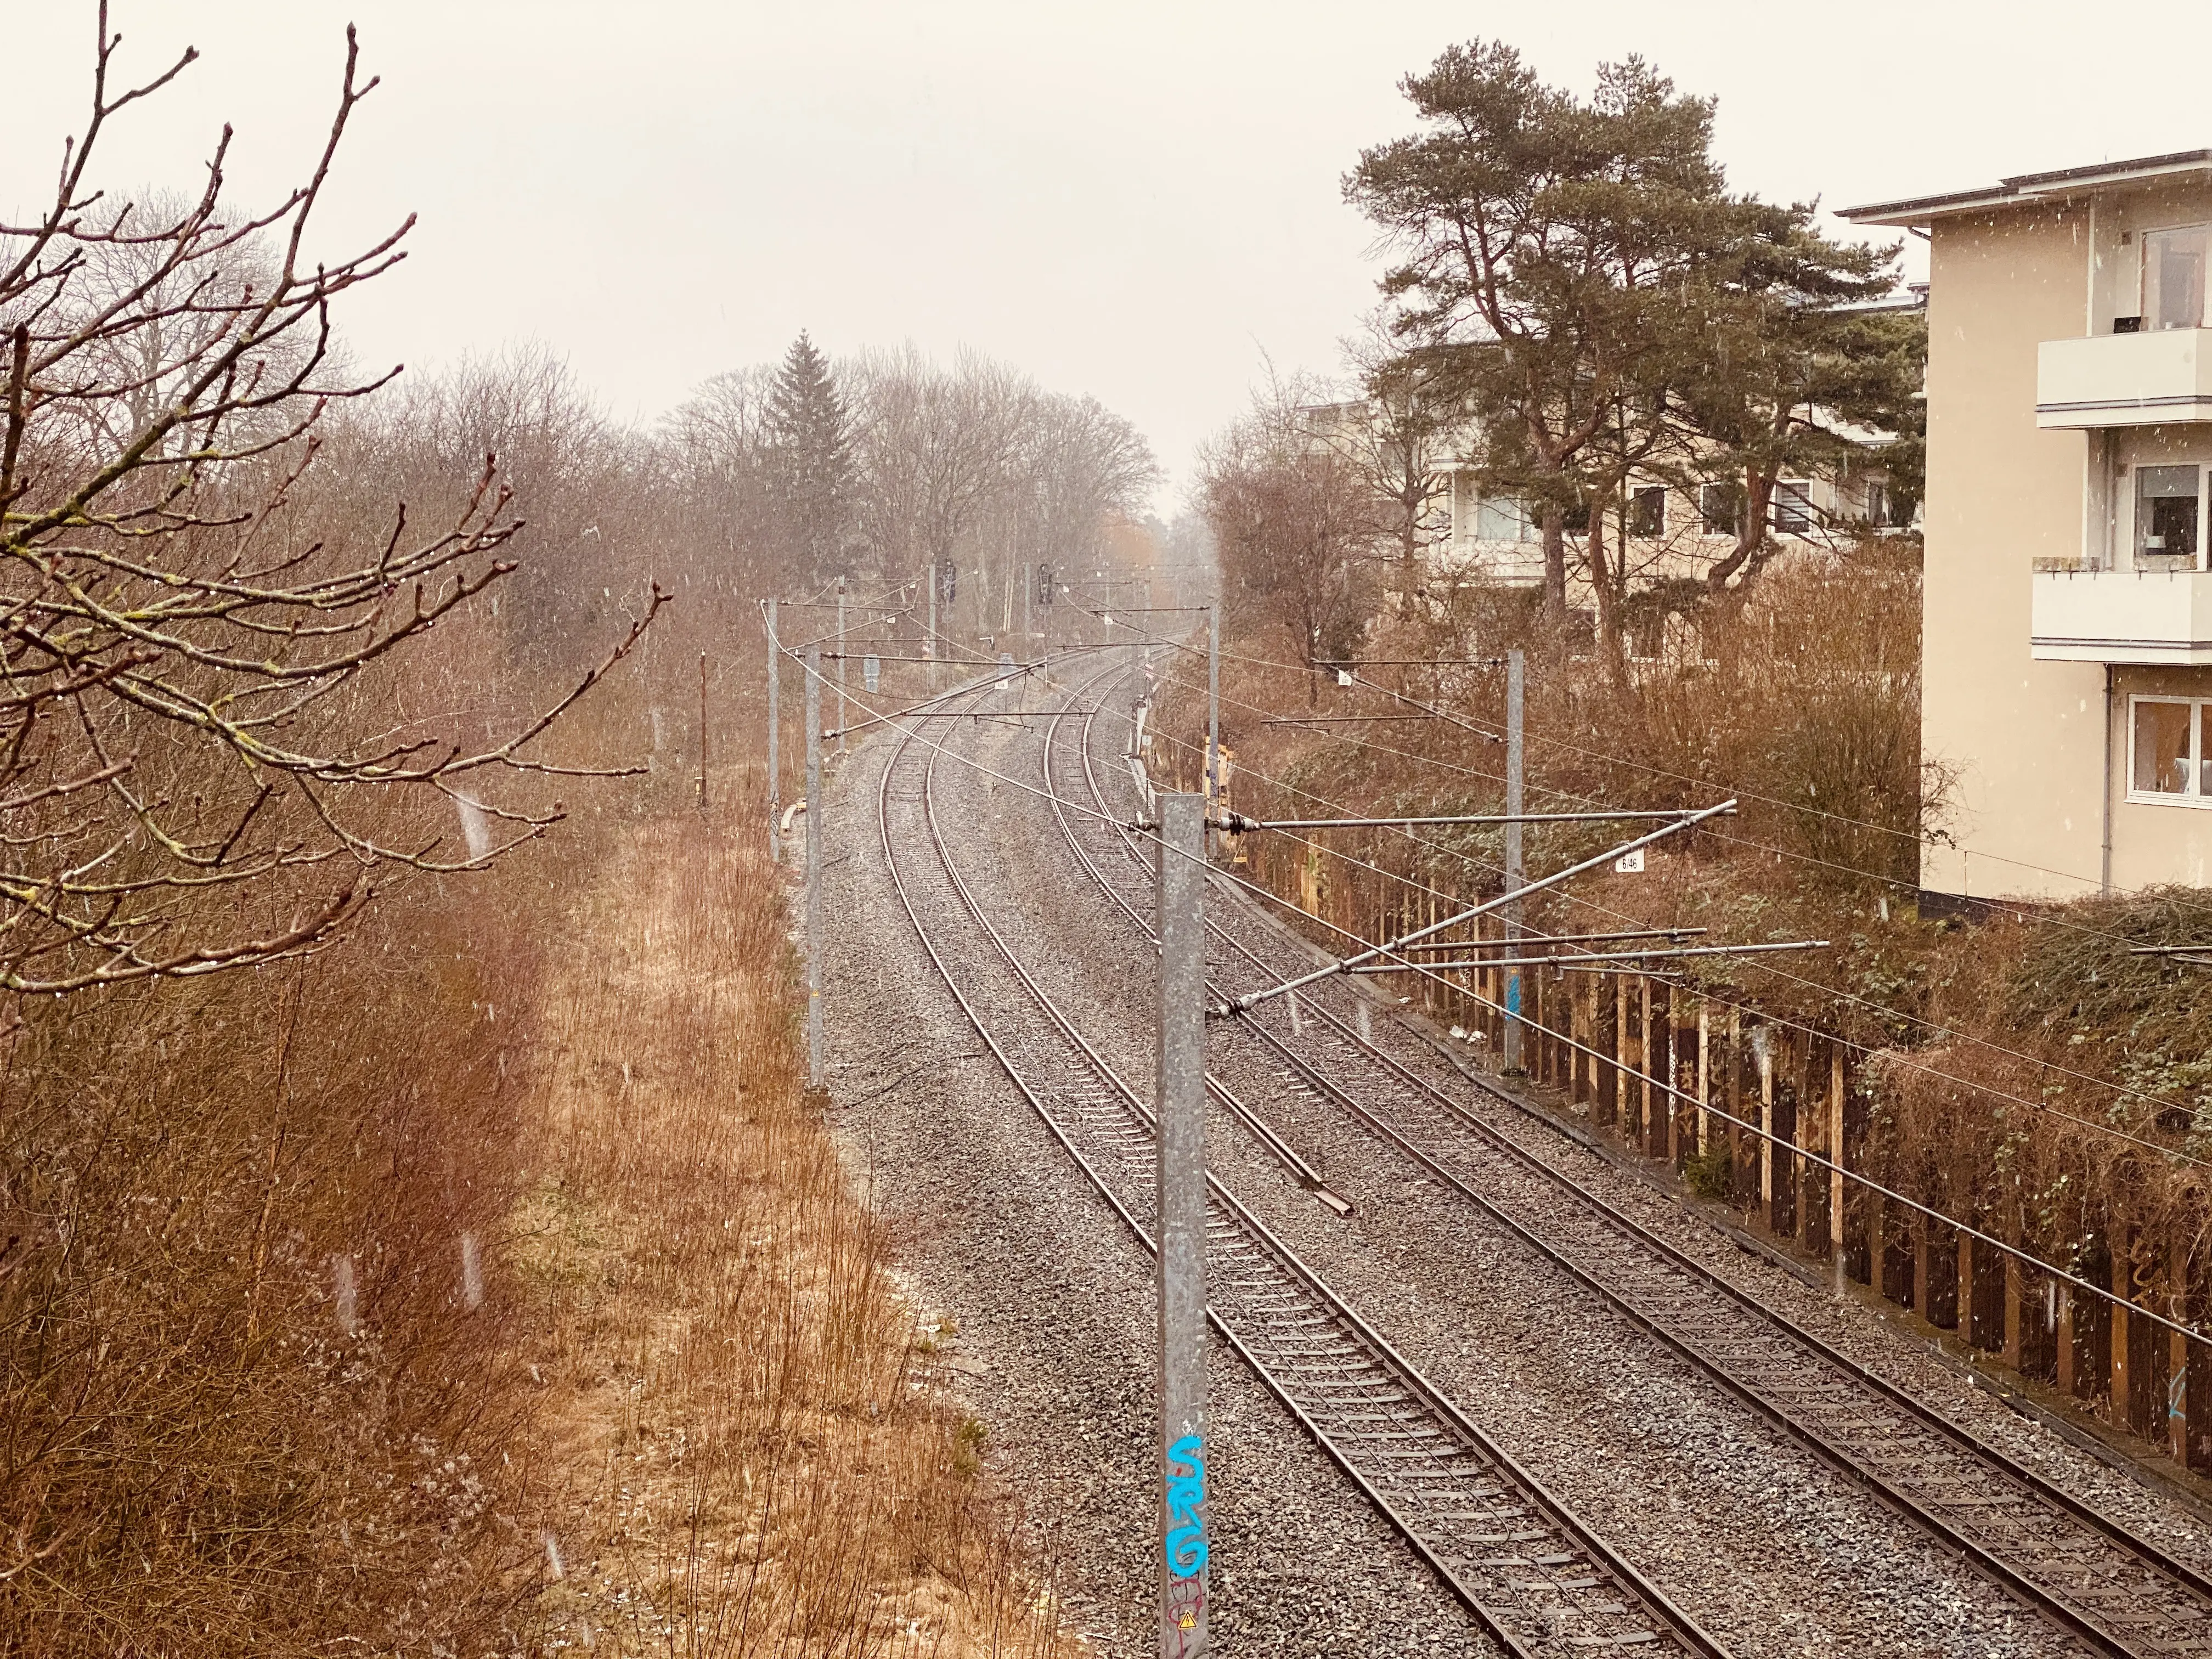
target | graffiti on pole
[{"x": 1186, "y": 1538}]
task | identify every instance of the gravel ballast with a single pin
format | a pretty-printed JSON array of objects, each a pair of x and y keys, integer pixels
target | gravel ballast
[{"x": 1770, "y": 1549}]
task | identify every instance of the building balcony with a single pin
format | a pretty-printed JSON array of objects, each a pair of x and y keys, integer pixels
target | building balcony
[
  {"x": 2126, "y": 379},
  {"x": 2122, "y": 616}
]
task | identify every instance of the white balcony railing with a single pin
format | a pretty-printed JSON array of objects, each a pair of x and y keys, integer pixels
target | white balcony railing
[
  {"x": 2126, "y": 379},
  {"x": 2122, "y": 616}
]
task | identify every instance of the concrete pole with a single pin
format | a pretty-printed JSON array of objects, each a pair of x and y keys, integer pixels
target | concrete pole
[
  {"x": 774, "y": 776},
  {"x": 842, "y": 653},
  {"x": 1516, "y": 875},
  {"x": 814, "y": 865},
  {"x": 929, "y": 645},
  {"x": 1181, "y": 1200},
  {"x": 1029, "y": 593},
  {"x": 1213, "y": 704}
]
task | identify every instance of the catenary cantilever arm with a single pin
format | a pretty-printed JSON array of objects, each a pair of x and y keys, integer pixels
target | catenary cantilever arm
[{"x": 1252, "y": 999}]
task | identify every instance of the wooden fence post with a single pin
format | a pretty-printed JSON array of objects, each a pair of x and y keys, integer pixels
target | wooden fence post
[
  {"x": 1922, "y": 1299},
  {"x": 1704, "y": 1073},
  {"x": 1839, "y": 1152},
  {"x": 2197, "y": 1363},
  {"x": 2177, "y": 1367},
  {"x": 1555, "y": 1054},
  {"x": 1790, "y": 1085},
  {"x": 1813, "y": 1134},
  {"x": 1643, "y": 1063},
  {"x": 1578, "y": 1030},
  {"x": 2016, "y": 1293},
  {"x": 2123, "y": 1288},
  {"x": 1624, "y": 1096},
  {"x": 1969, "y": 1291},
  {"x": 1737, "y": 1104},
  {"x": 2065, "y": 1339},
  {"x": 1767, "y": 1125}
]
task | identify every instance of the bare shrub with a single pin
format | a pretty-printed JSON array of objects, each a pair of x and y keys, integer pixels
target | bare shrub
[
  {"x": 251, "y": 1408},
  {"x": 202, "y": 678}
]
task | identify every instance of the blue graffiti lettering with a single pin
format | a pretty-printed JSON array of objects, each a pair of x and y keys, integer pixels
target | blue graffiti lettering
[{"x": 1186, "y": 1542}]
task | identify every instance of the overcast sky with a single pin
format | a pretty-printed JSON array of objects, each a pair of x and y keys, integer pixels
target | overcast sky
[{"x": 1134, "y": 200}]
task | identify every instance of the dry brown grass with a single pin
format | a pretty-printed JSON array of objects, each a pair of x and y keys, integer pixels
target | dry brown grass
[
  {"x": 757, "y": 1455},
  {"x": 251, "y": 1402},
  {"x": 608, "y": 1288}
]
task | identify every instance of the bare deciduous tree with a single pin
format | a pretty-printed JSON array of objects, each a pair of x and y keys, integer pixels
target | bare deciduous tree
[
  {"x": 1402, "y": 445},
  {"x": 199, "y": 765},
  {"x": 1293, "y": 518}
]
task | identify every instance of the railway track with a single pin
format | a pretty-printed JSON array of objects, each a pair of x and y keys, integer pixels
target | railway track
[
  {"x": 2115, "y": 1592},
  {"x": 1530, "y": 1573}
]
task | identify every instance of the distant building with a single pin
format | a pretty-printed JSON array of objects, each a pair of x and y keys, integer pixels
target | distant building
[
  {"x": 2067, "y": 642},
  {"x": 1675, "y": 529}
]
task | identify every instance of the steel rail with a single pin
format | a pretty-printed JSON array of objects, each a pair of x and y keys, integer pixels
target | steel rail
[
  {"x": 2187, "y": 1621},
  {"x": 1533, "y": 1604}
]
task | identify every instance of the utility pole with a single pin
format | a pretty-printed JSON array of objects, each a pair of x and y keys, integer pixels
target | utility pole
[
  {"x": 929, "y": 648},
  {"x": 841, "y": 654},
  {"x": 1180, "y": 1205},
  {"x": 1516, "y": 873},
  {"x": 702, "y": 731},
  {"x": 774, "y": 778},
  {"x": 814, "y": 865},
  {"x": 1029, "y": 592},
  {"x": 1213, "y": 706}
]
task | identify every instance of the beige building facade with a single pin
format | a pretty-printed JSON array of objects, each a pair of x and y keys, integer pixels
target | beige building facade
[{"x": 2066, "y": 648}]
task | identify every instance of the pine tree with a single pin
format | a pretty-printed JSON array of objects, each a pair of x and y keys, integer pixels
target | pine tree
[
  {"x": 811, "y": 454},
  {"x": 1579, "y": 276}
]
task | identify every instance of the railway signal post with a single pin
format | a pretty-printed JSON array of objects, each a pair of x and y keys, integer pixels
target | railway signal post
[
  {"x": 1180, "y": 1208},
  {"x": 814, "y": 865}
]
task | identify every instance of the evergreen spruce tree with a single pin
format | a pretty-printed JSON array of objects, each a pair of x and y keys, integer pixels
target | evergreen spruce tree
[{"x": 810, "y": 457}]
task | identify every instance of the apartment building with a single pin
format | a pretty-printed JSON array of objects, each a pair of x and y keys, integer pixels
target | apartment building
[
  {"x": 2067, "y": 644},
  {"x": 1674, "y": 529}
]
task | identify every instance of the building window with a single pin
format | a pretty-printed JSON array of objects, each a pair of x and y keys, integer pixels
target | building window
[
  {"x": 1793, "y": 506},
  {"x": 1647, "y": 512},
  {"x": 2173, "y": 276},
  {"x": 2166, "y": 517},
  {"x": 1582, "y": 633},
  {"x": 1719, "y": 508},
  {"x": 2168, "y": 760},
  {"x": 1647, "y": 634},
  {"x": 1498, "y": 518}
]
